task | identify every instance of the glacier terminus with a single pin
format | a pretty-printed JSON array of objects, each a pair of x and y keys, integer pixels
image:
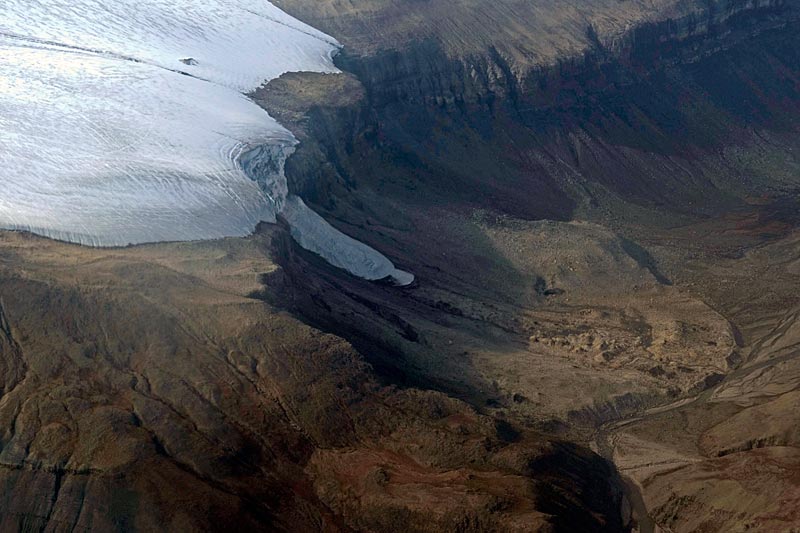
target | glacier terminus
[{"x": 127, "y": 122}]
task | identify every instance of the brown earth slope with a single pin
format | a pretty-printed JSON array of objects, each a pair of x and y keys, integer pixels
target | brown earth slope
[{"x": 148, "y": 389}]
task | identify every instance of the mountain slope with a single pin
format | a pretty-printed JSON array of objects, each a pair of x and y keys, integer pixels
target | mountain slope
[{"x": 148, "y": 388}]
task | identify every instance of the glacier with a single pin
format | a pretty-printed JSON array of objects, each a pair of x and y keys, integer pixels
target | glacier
[
  {"x": 314, "y": 234},
  {"x": 127, "y": 122}
]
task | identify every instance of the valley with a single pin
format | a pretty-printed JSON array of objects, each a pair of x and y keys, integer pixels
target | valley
[
  {"x": 587, "y": 319},
  {"x": 582, "y": 270}
]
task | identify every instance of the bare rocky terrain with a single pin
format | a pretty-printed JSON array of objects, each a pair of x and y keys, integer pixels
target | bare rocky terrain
[
  {"x": 599, "y": 201},
  {"x": 152, "y": 388}
]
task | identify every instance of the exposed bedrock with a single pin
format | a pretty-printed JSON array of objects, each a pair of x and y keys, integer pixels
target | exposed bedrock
[
  {"x": 434, "y": 52},
  {"x": 599, "y": 136}
]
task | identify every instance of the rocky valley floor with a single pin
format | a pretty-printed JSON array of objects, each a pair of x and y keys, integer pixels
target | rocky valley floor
[
  {"x": 676, "y": 366},
  {"x": 173, "y": 384},
  {"x": 153, "y": 387}
]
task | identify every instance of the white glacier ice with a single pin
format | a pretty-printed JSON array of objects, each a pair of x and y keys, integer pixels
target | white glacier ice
[
  {"x": 110, "y": 152},
  {"x": 124, "y": 121},
  {"x": 314, "y": 234},
  {"x": 236, "y": 43}
]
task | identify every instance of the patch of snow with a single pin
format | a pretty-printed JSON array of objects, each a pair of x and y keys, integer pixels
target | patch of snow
[{"x": 239, "y": 44}]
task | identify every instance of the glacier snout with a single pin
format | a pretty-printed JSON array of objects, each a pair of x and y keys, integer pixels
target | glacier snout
[{"x": 125, "y": 122}]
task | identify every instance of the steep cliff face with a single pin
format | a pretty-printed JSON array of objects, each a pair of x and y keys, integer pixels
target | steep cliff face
[
  {"x": 449, "y": 52},
  {"x": 686, "y": 111}
]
